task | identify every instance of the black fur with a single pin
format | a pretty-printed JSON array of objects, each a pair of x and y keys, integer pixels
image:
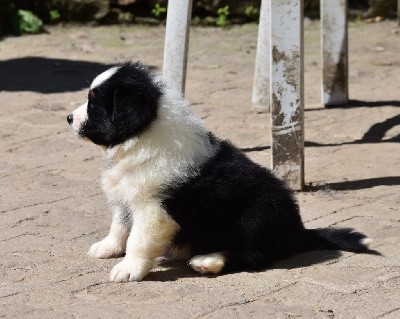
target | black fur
[
  {"x": 240, "y": 208},
  {"x": 121, "y": 107}
]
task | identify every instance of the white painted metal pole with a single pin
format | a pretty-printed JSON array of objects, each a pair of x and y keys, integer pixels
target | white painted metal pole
[
  {"x": 260, "y": 97},
  {"x": 176, "y": 43},
  {"x": 334, "y": 52},
  {"x": 287, "y": 91}
]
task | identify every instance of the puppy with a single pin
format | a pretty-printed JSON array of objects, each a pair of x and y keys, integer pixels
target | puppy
[{"x": 173, "y": 186}]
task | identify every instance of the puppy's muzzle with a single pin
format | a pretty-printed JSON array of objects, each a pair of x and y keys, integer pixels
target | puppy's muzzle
[{"x": 70, "y": 119}]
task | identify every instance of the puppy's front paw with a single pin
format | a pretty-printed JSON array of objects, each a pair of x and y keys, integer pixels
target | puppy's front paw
[
  {"x": 131, "y": 269},
  {"x": 107, "y": 248}
]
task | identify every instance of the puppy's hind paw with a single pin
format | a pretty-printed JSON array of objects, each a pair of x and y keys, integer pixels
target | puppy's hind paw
[
  {"x": 107, "y": 248},
  {"x": 208, "y": 264}
]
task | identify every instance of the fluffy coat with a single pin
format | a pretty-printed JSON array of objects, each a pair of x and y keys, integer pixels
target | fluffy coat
[{"x": 172, "y": 186}]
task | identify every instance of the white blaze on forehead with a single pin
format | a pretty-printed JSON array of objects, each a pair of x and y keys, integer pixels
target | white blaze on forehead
[
  {"x": 79, "y": 116},
  {"x": 102, "y": 77}
]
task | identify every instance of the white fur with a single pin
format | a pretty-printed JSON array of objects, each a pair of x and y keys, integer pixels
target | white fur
[
  {"x": 170, "y": 150},
  {"x": 79, "y": 116},
  {"x": 114, "y": 244},
  {"x": 208, "y": 264},
  {"x": 102, "y": 77},
  {"x": 366, "y": 241},
  {"x": 151, "y": 235}
]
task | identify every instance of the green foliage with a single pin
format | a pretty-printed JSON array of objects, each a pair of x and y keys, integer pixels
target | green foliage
[
  {"x": 126, "y": 17},
  {"x": 196, "y": 20},
  {"x": 18, "y": 21},
  {"x": 251, "y": 12},
  {"x": 222, "y": 19},
  {"x": 158, "y": 11},
  {"x": 13, "y": 21},
  {"x": 26, "y": 22},
  {"x": 54, "y": 15}
]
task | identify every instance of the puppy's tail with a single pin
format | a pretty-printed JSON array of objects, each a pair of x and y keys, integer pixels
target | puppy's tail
[{"x": 346, "y": 239}]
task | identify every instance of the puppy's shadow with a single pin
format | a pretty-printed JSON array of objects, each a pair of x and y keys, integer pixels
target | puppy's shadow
[
  {"x": 172, "y": 270},
  {"x": 178, "y": 269},
  {"x": 315, "y": 257},
  {"x": 307, "y": 259}
]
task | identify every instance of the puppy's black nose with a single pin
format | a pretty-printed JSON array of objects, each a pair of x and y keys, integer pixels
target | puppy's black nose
[{"x": 70, "y": 119}]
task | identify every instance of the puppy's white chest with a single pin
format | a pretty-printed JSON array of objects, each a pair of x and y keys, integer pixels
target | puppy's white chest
[
  {"x": 110, "y": 180},
  {"x": 128, "y": 184},
  {"x": 117, "y": 185}
]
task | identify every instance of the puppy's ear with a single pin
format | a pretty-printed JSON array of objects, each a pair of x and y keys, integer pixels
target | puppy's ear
[
  {"x": 122, "y": 100},
  {"x": 133, "y": 110}
]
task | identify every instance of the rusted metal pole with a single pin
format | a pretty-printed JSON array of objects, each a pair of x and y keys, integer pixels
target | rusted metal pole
[
  {"x": 176, "y": 43},
  {"x": 287, "y": 91},
  {"x": 260, "y": 98},
  {"x": 334, "y": 52}
]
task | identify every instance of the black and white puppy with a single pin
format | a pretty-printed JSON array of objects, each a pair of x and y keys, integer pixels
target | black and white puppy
[{"x": 173, "y": 186}]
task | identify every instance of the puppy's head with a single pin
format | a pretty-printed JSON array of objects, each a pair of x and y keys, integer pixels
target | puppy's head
[{"x": 122, "y": 103}]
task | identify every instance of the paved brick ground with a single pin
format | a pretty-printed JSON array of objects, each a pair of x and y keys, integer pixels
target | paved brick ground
[{"x": 52, "y": 210}]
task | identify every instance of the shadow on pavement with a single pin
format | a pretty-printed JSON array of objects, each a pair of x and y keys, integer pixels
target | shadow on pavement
[
  {"x": 358, "y": 184},
  {"x": 360, "y": 103},
  {"x": 375, "y": 133},
  {"x": 47, "y": 75},
  {"x": 308, "y": 259},
  {"x": 180, "y": 269}
]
